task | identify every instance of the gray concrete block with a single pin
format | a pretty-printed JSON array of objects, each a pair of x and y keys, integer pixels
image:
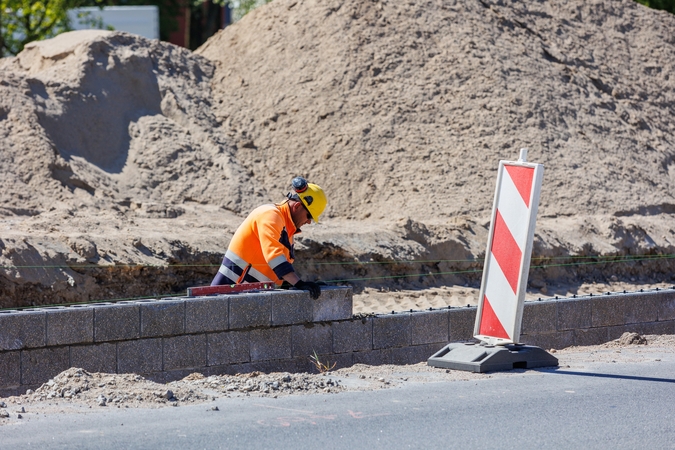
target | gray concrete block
[
  {"x": 539, "y": 317},
  {"x": 353, "y": 335},
  {"x": 10, "y": 370},
  {"x": 162, "y": 318},
  {"x": 574, "y": 313},
  {"x": 429, "y": 326},
  {"x": 641, "y": 307},
  {"x": 291, "y": 307},
  {"x": 334, "y": 303},
  {"x": 71, "y": 325},
  {"x": 392, "y": 330},
  {"x": 293, "y": 365},
  {"x": 182, "y": 352},
  {"x": 310, "y": 338},
  {"x": 414, "y": 354},
  {"x": 666, "y": 305},
  {"x": 616, "y": 331},
  {"x": 665, "y": 327},
  {"x": 116, "y": 322},
  {"x": 228, "y": 348},
  {"x": 250, "y": 310},
  {"x": 556, "y": 340},
  {"x": 607, "y": 310},
  {"x": 94, "y": 358},
  {"x": 372, "y": 357},
  {"x": 22, "y": 329},
  {"x": 462, "y": 321},
  {"x": 142, "y": 356},
  {"x": 207, "y": 314},
  {"x": 591, "y": 336},
  {"x": 39, "y": 365},
  {"x": 271, "y": 343}
]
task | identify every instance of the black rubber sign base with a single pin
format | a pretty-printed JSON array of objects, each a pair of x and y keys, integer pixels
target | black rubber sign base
[{"x": 475, "y": 357}]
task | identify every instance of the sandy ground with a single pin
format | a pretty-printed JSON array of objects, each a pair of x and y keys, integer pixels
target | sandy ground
[
  {"x": 380, "y": 301},
  {"x": 119, "y": 151}
]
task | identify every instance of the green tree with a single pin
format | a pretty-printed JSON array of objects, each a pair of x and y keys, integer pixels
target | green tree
[
  {"x": 666, "y": 5},
  {"x": 23, "y": 21},
  {"x": 242, "y": 7}
]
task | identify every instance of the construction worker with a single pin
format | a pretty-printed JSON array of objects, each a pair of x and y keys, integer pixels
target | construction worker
[{"x": 262, "y": 247}]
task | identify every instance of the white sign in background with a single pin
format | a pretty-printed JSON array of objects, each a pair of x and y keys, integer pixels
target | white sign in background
[{"x": 140, "y": 20}]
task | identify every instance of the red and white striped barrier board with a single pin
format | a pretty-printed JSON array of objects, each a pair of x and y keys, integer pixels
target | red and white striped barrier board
[{"x": 507, "y": 260}]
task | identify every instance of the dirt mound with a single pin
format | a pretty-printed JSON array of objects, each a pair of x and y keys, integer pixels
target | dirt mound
[
  {"x": 104, "y": 118},
  {"x": 405, "y": 108},
  {"x": 128, "y": 163}
]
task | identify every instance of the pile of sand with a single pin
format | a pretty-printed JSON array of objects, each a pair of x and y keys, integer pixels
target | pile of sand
[
  {"x": 405, "y": 108},
  {"x": 138, "y": 156}
]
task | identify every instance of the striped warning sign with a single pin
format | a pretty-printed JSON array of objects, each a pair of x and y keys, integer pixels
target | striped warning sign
[{"x": 507, "y": 261}]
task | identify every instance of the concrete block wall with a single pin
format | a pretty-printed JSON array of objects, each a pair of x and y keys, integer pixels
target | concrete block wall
[{"x": 167, "y": 339}]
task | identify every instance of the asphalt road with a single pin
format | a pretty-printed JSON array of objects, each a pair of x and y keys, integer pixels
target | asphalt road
[{"x": 599, "y": 405}]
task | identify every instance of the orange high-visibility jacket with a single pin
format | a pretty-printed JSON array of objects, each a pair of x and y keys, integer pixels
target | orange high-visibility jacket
[{"x": 263, "y": 244}]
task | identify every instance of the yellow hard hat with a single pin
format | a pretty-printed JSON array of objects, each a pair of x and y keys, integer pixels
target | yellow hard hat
[{"x": 311, "y": 195}]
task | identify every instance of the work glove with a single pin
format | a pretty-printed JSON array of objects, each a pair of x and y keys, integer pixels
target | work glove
[{"x": 312, "y": 287}]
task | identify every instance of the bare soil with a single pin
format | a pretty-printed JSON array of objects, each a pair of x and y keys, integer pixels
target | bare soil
[{"x": 128, "y": 163}]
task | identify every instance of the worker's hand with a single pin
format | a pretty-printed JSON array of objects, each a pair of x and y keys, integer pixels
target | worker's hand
[{"x": 312, "y": 287}]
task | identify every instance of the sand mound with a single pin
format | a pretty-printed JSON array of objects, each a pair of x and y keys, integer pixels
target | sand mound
[
  {"x": 140, "y": 157},
  {"x": 119, "y": 117},
  {"x": 405, "y": 108}
]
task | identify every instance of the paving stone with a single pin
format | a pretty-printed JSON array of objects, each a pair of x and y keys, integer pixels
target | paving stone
[
  {"x": 207, "y": 314},
  {"x": 557, "y": 340},
  {"x": 22, "y": 329},
  {"x": 291, "y": 307},
  {"x": 665, "y": 327},
  {"x": 271, "y": 343},
  {"x": 71, "y": 325},
  {"x": 228, "y": 347},
  {"x": 353, "y": 335},
  {"x": 429, "y": 327},
  {"x": 116, "y": 322},
  {"x": 666, "y": 305},
  {"x": 39, "y": 365},
  {"x": 162, "y": 318},
  {"x": 414, "y": 354},
  {"x": 591, "y": 336},
  {"x": 182, "y": 352},
  {"x": 334, "y": 303},
  {"x": 94, "y": 358},
  {"x": 607, "y": 310},
  {"x": 391, "y": 330},
  {"x": 10, "y": 369},
  {"x": 462, "y": 322},
  {"x": 574, "y": 313},
  {"x": 141, "y": 356},
  {"x": 641, "y": 307},
  {"x": 310, "y": 338},
  {"x": 372, "y": 357},
  {"x": 539, "y": 317},
  {"x": 250, "y": 310}
]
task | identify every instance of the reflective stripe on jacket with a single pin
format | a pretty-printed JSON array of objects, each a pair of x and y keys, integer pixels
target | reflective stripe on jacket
[{"x": 264, "y": 241}]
